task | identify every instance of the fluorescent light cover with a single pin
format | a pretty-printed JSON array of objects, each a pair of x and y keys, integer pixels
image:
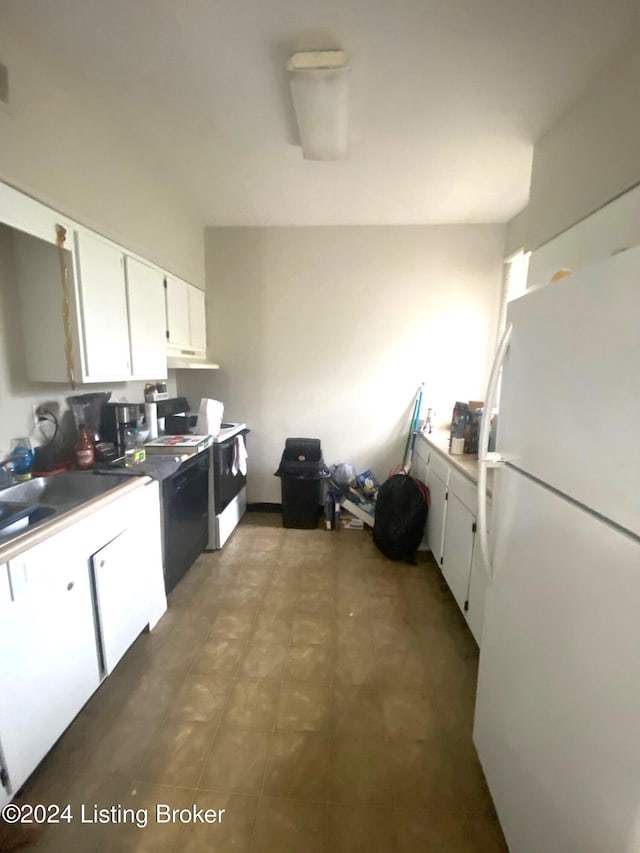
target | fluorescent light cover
[{"x": 319, "y": 81}]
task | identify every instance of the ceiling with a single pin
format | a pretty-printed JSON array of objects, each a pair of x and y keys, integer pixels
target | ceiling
[{"x": 447, "y": 96}]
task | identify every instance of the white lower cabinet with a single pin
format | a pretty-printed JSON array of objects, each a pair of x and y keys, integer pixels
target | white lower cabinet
[
  {"x": 457, "y": 552},
  {"x": 70, "y": 607},
  {"x": 49, "y": 664},
  {"x": 452, "y": 536},
  {"x": 121, "y": 604},
  {"x": 437, "y": 515}
]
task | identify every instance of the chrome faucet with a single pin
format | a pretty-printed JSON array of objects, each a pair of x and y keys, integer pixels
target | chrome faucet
[{"x": 6, "y": 473}]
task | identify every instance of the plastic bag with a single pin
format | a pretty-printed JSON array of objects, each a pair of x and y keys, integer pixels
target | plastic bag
[{"x": 401, "y": 513}]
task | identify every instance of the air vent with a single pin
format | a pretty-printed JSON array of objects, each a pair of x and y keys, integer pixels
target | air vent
[{"x": 4, "y": 85}]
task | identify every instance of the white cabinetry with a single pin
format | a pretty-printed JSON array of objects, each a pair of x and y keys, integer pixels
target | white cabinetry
[
  {"x": 91, "y": 310},
  {"x": 178, "y": 313},
  {"x": 457, "y": 550},
  {"x": 186, "y": 319},
  {"x": 147, "y": 320},
  {"x": 64, "y": 626},
  {"x": 437, "y": 481},
  {"x": 452, "y": 536},
  {"x": 103, "y": 301},
  {"x": 49, "y": 662}
]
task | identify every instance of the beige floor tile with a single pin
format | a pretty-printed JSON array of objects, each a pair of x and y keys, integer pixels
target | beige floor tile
[
  {"x": 354, "y": 629},
  {"x": 402, "y": 668},
  {"x": 297, "y": 766},
  {"x": 293, "y": 826},
  {"x": 231, "y": 833},
  {"x": 263, "y": 660},
  {"x": 422, "y": 831},
  {"x": 219, "y": 656},
  {"x": 320, "y": 602},
  {"x": 176, "y": 755},
  {"x": 309, "y": 663},
  {"x": 252, "y": 704},
  {"x": 355, "y": 665},
  {"x": 412, "y": 714},
  {"x": 236, "y": 762},
  {"x": 356, "y": 710},
  {"x": 201, "y": 698},
  {"x": 433, "y": 774},
  {"x": 361, "y": 772},
  {"x": 233, "y": 624},
  {"x": 310, "y": 629},
  {"x": 149, "y": 802},
  {"x": 374, "y": 713},
  {"x": 303, "y": 707},
  {"x": 362, "y": 829},
  {"x": 272, "y": 628}
]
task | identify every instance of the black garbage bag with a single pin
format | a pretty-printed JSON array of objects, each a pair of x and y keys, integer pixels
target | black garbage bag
[{"x": 401, "y": 513}]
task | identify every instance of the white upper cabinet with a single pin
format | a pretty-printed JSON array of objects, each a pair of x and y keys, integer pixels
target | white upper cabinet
[
  {"x": 178, "y": 312},
  {"x": 91, "y": 311},
  {"x": 147, "y": 320},
  {"x": 103, "y": 301},
  {"x": 186, "y": 320},
  {"x": 197, "y": 319}
]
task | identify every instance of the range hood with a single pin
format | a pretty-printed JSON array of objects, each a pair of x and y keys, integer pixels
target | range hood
[{"x": 185, "y": 362}]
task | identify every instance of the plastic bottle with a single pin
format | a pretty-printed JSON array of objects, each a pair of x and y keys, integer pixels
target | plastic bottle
[{"x": 84, "y": 451}]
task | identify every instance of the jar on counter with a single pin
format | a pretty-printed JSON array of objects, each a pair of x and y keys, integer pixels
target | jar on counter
[{"x": 84, "y": 451}]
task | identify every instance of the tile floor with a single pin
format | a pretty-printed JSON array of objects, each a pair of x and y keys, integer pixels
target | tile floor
[{"x": 319, "y": 693}]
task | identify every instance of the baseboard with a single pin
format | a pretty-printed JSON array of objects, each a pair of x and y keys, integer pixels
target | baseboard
[{"x": 264, "y": 507}]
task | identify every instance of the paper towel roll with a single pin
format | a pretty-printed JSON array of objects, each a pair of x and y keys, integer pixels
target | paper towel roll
[
  {"x": 457, "y": 446},
  {"x": 151, "y": 417}
]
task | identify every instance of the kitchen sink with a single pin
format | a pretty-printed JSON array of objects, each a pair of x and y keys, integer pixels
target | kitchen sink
[
  {"x": 48, "y": 496},
  {"x": 69, "y": 489},
  {"x": 34, "y": 515}
]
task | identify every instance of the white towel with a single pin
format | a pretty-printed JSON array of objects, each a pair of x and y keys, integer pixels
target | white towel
[{"x": 239, "y": 464}]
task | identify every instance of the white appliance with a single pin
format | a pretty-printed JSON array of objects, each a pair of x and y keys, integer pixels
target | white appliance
[
  {"x": 227, "y": 484},
  {"x": 557, "y": 719}
]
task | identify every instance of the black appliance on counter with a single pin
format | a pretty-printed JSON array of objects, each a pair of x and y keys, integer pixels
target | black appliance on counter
[{"x": 116, "y": 418}]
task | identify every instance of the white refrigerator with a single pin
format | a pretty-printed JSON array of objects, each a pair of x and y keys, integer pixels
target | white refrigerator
[{"x": 557, "y": 721}]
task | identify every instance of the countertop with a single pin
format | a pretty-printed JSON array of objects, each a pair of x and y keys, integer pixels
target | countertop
[
  {"x": 467, "y": 464},
  {"x": 18, "y": 544}
]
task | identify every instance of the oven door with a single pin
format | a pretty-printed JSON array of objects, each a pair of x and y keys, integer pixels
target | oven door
[{"x": 226, "y": 484}]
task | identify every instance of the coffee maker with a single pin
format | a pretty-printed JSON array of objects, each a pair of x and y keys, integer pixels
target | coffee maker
[{"x": 116, "y": 419}]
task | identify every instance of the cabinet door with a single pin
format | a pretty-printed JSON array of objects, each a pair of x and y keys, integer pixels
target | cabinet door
[
  {"x": 121, "y": 600},
  {"x": 178, "y": 312},
  {"x": 49, "y": 664},
  {"x": 419, "y": 470},
  {"x": 147, "y": 321},
  {"x": 478, "y": 585},
  {"x": 436, "y": 516},
  {"x": 197, "y": 319},
  {"x": 459, "y": 535},
  {"x": 105, "y": 327}
]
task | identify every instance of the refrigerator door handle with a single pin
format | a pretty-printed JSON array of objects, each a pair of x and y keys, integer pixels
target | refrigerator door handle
[{"x": 486, "y": 459}]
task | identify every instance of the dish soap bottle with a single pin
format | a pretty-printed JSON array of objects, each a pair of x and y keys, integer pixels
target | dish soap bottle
[{"x": 84, "y": 451}]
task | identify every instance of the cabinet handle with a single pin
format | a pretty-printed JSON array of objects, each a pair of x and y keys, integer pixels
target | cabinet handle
[
  {"x": 70, "y": 586},
  {"x": 101, "y": 564}
]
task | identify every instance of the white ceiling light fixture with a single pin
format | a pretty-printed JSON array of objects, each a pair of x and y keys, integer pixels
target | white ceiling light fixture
[{"x": 319, "y": 81}]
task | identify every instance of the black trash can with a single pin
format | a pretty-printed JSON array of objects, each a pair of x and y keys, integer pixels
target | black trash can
[{"x": 301, "y": 472}]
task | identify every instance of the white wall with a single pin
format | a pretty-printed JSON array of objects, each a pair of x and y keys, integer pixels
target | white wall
[
  {"x": 327, "y": 332},
  {"x": 516, "y": 234},
  {"x": 590, "y": 155},
  {"x": 17, "y": 394},
  {"x": 59, "y": 143}
]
